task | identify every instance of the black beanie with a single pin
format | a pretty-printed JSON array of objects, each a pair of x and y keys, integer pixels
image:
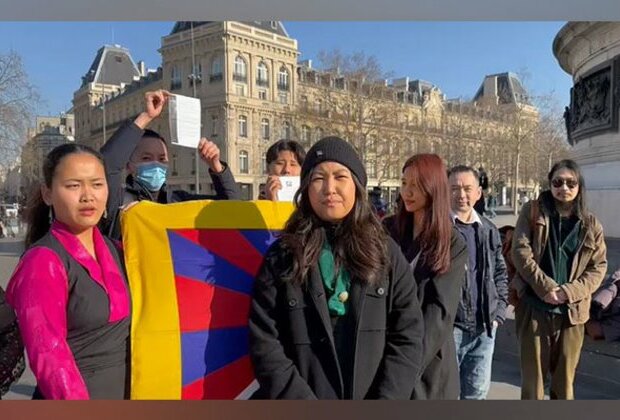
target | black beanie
[{"x": 334, "y": 149}]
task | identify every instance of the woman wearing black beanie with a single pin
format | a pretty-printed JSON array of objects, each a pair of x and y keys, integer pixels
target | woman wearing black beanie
[{"x": 334, "y": 313}]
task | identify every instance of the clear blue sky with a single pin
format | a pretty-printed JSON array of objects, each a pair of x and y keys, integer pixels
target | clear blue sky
[{"x": 453, "y": 55}]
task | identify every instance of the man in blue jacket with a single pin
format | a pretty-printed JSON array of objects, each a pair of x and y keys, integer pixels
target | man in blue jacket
[{"x": 485, "y": 290}]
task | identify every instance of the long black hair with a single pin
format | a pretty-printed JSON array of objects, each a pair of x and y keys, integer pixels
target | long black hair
[
  {"x": 37, "y": 212},
  {"x": 359, "y": 240},
  {"x": 579, "y": 204}
]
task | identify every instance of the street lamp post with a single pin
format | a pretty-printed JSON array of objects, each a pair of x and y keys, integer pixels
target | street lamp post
[
  {"x": 194, "y": 78},
  {"x": 103, "y": 105}
]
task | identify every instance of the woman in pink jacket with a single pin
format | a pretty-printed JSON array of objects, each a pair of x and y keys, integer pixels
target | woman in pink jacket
[{"x": 69, "y": 290}]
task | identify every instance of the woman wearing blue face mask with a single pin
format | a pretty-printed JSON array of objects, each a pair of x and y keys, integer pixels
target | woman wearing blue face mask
[{"x": 147, "y": 167}]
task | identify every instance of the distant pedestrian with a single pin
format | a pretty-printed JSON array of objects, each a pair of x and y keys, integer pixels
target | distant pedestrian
[
  {"x": 523, "y": 198},
  {"x": 491, "y": 213},
  {"x": 483, "y": 181},
  {"x": 378, "y": 203},
  {"x": 604, "y": 323}
]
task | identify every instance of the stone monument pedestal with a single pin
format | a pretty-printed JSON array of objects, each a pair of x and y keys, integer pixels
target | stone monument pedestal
[{"x": 590, "y": 52}]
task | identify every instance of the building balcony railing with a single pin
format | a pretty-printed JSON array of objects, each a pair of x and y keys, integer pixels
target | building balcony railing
[
  {"x": 215, "y": 77},
  {"x": 262, "y": 82},
  {"x": 175, "y": 84},
  {"x": 283, "y": 86},
  {"x": 196, "y": 78},
  {"x": 321, "y": 113},
  {"x": 239, "y": 77}
]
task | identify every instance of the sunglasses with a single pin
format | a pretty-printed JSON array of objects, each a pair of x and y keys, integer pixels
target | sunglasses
[{"x": 558, "y": 182}]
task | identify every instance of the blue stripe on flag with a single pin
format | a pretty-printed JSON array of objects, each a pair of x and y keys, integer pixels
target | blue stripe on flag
[
  {"x": 195, "y": 262},
  {"x": 204, "y": 352},
  {"x": 260, "y": 238}
]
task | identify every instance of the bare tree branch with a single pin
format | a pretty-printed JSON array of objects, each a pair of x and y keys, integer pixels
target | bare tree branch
[
  {"x": 18, "y": 99},
  {"x": 349, "y": 97}
]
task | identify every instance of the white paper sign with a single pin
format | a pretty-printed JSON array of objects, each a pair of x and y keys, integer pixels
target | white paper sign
[
  {"x": 290, "y": 185},
  {"x": 184, "y": 113}
]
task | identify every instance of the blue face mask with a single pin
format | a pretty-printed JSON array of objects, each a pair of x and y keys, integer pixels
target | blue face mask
[{"x": 152, "y": 175}]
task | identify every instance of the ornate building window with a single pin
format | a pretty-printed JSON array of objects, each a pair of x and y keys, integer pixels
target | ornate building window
[
  {"x": 214, "y": 125},
  {"x": 264, "y": 128},
  {"x": 306, "y": 135},
  {"x": 263, "y": 164},
  {"x": 371, "y": 167},
  {"x": 240, "y": 71},
  {"x": 283, "y": 79},
  {"x": 175, "y": 78},
  {"x": 216, "y": 69},
  {"x": 320, "y": 133},
  {"x": 244, "y": 162},
  {"x": 262, "y": 75},
  {"x": 239, "y": 89},
  {"x": 243, "y": 126},
  {"x": 286, "y": 130},
  {"x": 196, "y": 74}
]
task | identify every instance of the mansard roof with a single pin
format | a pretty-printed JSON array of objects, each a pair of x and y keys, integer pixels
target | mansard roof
[
  {"x": 113, "y": 65},
  {"x": 508, "y": 88},
  {"x": 274, "y": 26}
]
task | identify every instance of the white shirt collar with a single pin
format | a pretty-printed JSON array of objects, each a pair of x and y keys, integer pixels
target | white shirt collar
[{"x": 475, "y": 217}]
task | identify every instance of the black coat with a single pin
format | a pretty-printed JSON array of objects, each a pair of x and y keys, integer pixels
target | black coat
[
  {"x": 116, "y": 152},
  {"x": 292, "y": 343},
  {"x": 440, "y": 296},
  {"x": 11, "y": 347},
  {"x": 494, "y": 285}
]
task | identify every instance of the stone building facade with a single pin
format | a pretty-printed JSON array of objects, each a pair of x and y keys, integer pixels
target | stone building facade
[
  {"x": 254, "y": 91},
  {"x": 48, "y": 133}
]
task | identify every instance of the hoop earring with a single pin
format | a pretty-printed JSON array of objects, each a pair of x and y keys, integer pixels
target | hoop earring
[
  {"x": 105, "y": 213},
  {"x": 51, "y": 215}
]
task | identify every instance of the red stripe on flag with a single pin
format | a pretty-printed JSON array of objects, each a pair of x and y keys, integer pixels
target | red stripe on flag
[
  {"x": 189, "y": 234},
  {"x": 231, "y": 245},
  {"x": 203, "y": 306},
  {"x": 228, "y": 244},
  {"x": 223, "y": 384}
]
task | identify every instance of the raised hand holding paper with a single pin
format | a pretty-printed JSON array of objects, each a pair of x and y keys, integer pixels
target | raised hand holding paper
[
  {"x": 290, "y": 185},
  {"x": 185, "y": 123}
]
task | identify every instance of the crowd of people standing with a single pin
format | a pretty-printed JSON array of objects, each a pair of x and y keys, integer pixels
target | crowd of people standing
[{"x": 348, "y": 304}]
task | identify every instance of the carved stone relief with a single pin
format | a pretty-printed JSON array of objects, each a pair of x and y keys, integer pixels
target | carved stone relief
[{"x": 594, "y": 102}]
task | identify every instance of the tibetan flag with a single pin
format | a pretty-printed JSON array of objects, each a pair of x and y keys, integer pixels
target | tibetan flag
[{"x": 191, "y": 268}]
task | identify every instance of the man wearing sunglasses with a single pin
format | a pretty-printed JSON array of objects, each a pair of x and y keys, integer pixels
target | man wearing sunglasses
[{"x": 560, "y": 257}]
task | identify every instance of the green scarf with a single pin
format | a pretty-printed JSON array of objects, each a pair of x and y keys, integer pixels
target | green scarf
[
  {"x": 336, "y": 286},
  {"x": 559, "y": 254},
  {"x": 563, "y": 251}
]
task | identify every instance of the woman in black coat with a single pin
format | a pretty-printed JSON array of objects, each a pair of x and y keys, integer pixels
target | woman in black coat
[
  {"x": 334, "y": 313},
  {"x": 438, "y": 257}
]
